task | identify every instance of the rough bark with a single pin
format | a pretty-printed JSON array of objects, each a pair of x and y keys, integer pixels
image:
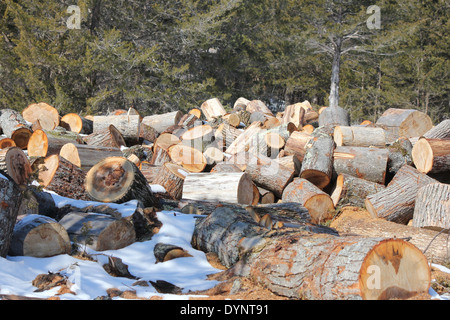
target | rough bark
[
  {"x": 106, "y": 137},
  {"x": 334, "y": 116},
  {"x": 359, "y": 136},
  {"x": 432, "y": 207},
  {"x": 212, "y": 108},
  {"x": 15, "y": 127},
  {"x": 171, "y": 176},
  {"x": 16, "y": 164},
  {"x": 161, "y": 122}
]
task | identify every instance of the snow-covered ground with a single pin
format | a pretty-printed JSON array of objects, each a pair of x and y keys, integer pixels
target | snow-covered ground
[{"x": 89, "y": 278}]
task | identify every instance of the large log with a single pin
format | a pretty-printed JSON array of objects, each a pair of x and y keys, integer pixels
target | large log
[
  {"x": 128, "y": 125},
  {"x": 432, "y": 207},
  {"x": 189, "y": 158},
  {"x": 39, "y": 236},
  {"x": 15, "y": 127},
  {"x": 16, "y": 164},
  {"x": 352, "y": 191},
  {"x": 296, "y": 144},
  {"x": 317, "y": 164},
  {"x": 319, "y": 204},
  {"x": 97, "y": 231},
  {"x": 406, "y": 123},
  {"x": 334, "y": 116},
  {"x": 313, "y": 264},
  {"x": 441, "y": 131},
  {"x": 76, "y": 123},
  {"x": 226, "y": 187},
  {"x": 362, "y": 162},
  {"x": 171, "y": 176},
  {"x": 118, "y": 180},
  {"x": 431, "y": 155},
  {"x": 295, "y": 113},
  {"x": 198, "y": 137},
  {"x": 396, "y": 202},
  {"x": 161, "y": 122},
  {"x": 106, "y": 137},
  {"x": 212, "y": 108},
  {"x": 11, "y": 199},
  {"x": 359, "y": 136},
  {"x": 47, "y": 115},
  {"x": 434, "y": 246}
]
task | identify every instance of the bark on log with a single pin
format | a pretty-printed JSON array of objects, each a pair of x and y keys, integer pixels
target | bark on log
[
  {"x": 106, "y": 232},
  {"x": 165, "y": 252},
  {"x": 352, "y": 191},
  {"x": 226, "y": 134},
  {"x": 212, "y": 108},
  {"x": 106, "y": 137},
  {"x": 149, "y": 171},
  {"x": 226, "y": 187},
  {"x": 39, "y": 236},
  {"x": 188, "y": 121},
  {"x": 396, "y": 202},
  {"x": 161, "y": 122},
  {"x": 171, "y": 176},
  {"x": 362, "y": 162},
  {"x": 15, "y": 127},
  {"x": 225, "y": 167},
  {"x": 91, "y": 155},
  {"x": 11, "y": 198},
  {"x": 334, "y": 116},
  {"x": 258, "y": 105},
  {"x": 240, "y": 104},
  {"x": 406, "y": 123},
  {"x": 118, "y": 180},
  {"x": 399, "y": 155},
  {"x": 76, "y": 123},
  {"x": 128, "y": 125},
  {"x": 37, "y": 144},
  {"x": 189, "y": 158},
  {"x": 47, "y": 115},
  {"x": 269, "y": 174},
  {"x": 160, "y": 156},
  {"x": 432, "y": 209},
  {"x": 296, "y": 144},
  {"x": 146, "y": 132},
  {"x": 432, "y": 155},
  {"x": 317, "y": 164},
  {"x": 303, "y": 264},
  {"x": 16, "y": 164},
  {"x": 319, "y": 204},
  {"x": 434, "y": 246},
  {"x": 290, "y": 162},
  {"x": 441, "y": 131},
  {"x": 359, "y": 136}
]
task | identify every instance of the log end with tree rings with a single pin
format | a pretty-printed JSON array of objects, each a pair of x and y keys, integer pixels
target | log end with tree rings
[
  {"x": 38, "y": 144},
  {"x": 47, "y": 115},
  {"x": 189, "y": 158},
  {"x": 16, "y": 163},
  {"x": 394, "y": 268},
  {"x": 21, "y": 136},
  {"x": 45, "y": 169},
  {"x": 431, "y": 155},
  {"x": 6, "y": 143}
]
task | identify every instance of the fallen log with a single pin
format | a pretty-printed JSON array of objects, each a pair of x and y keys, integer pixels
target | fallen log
[
  {"x": 47, "y": 115},
  {"x": 362, "y": 162},
  {"x": 161, "y": 122},
  {"x": 106, "y": 137},
  {"x": 118, "y": 180},
  {"x": 308, "y": 263},
  {"x": 434, "y": 246},
  {"x": 212, "y": 108},
  {"x": 432, "y": 207},
  {"x": 39, "y": 236},
  {"x": 15, "y": 127},
  {"x": 359, "y": 136},
  {"x": 76, "y": 123},
  {"x": 98, "y": 231},
  {"x": 319, "y": 204},
  {"x": 431, "y": 155},
  {"x": 396, "y": 202},
  {"x": 127, "y": 125},
  {"x": 16, "y": 164},
  {"x": 226, "y": 187}
]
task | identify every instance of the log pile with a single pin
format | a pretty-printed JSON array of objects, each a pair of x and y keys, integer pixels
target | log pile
[{"x": 267, "y": 186}]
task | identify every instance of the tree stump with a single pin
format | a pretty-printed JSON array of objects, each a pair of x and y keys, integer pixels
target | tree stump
[
  {"x": 118, "y": 180},
  {"x": 39, "y": 236},
  {"x": 432, "y": 155},
  {"x": 432, "y": 209}
]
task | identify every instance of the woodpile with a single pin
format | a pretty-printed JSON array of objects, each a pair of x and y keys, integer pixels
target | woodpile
[{"x": 267, "y": 186}]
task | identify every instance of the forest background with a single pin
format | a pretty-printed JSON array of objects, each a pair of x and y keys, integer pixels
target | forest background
[{"x": 91, "y": 56}]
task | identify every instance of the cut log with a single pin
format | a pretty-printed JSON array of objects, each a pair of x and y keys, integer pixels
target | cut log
[
  {"x": 105, "y": 232},
  {"x": 295, "y": 113},
  {"x": 319, "y": 204},
  {"x": 268, "y": 142},
  {"x": 317, "y": 164},
  {"x": 258, "y": 105},
  {"x": 362, "y": 162},
  {"x": 16, "y": 164},
  {"x": 226, "y": 187},
  {"x": 149, "y": 171},
  {"x": 212, "y": 108},
  {"x": 352, "y": 191},
  {"x": 37, "y": 144},
  {"x": 171, "y": 176},
  {"x": 213, "y": 156},
  {"x": 242, "y": 142},
  {"x": 406, "y": 123},
  {"x": 189, "y": 158},
  {"x": 269, "y": 174},
  {"x": 359, "y": 136},
  {"x": 118, "y": 180},
  {"x": 240, "y": 104},
  {"x": 11, "y": 199},
  {"x": 290, "y": 162},
  {"x": 76, "y": 123},
  {"x": 225, "y": 167},
  {"x": 165, "y": 252},
  {"x": 441, "y": 131},
  {"x": 233, "y": 119},
  {"x": 91, "y": 155},
  {"x": 188, "y": 121},
  {"x": 434, "y": 246},
  {"x": 15, "y": 127},
  {"x": 161, "y": 122},
  {"x": 106, "y": 137},
  {"x": 47, "y": 115},
  {"x": 266, "y": 196},
  {"x": 432, "y": 207},
  {"x": 196, "y": 112},
  {"x": 70, "y": 152},
  {"x": 128, "y": 125},
  {"x": 312, "y": 265},
  {"x": 334, "y": 116},
  {"x": 198, "y": 137},
  {"x": 61, "y": 176},
  {"x": 39, "y": 236},
  {"x": 296, "y": 144},
  {"x": 160, "y": 156},
  {"x": 165, "y": 141},
  {"x": 308, "y": 128},
  {"x": 6, "y": 143},
  {"x": 226, "y": 134},
  {"x": 148, "y": 133},
  {"x": 432, "y": 155},
  {"x": 399, "y": 155},
  {"x": 396, "y": 202}
]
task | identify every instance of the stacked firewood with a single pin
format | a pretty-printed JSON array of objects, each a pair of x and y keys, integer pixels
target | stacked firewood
[{"x": 286, "y": 175}]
